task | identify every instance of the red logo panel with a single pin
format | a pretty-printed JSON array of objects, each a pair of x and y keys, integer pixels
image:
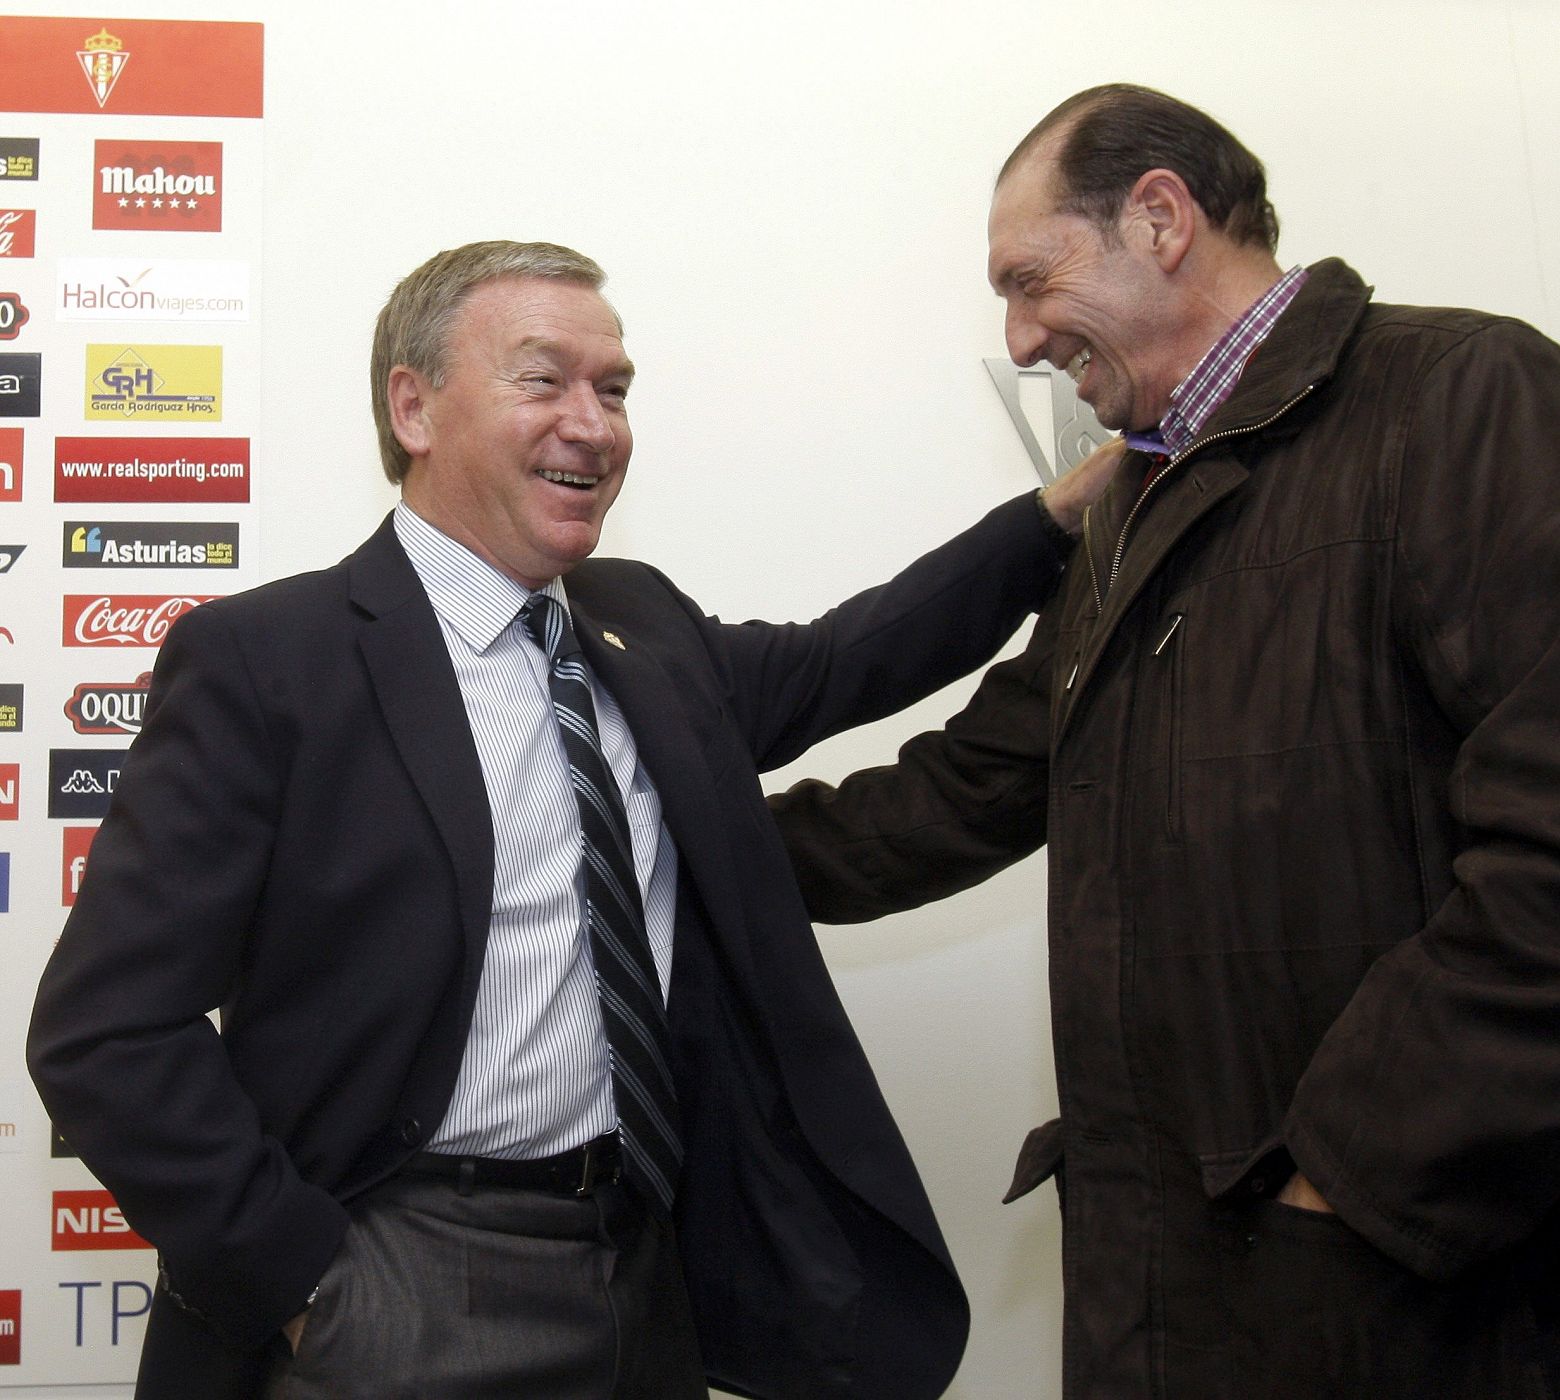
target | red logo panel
[
  {"x": 18, "y": 232},
  {"x": 123, "y": 619},
  {"x": 92, "y": 1220},
  {"x": 172, "y": 186},
  {"x": 10, "y": 1326},
  {"x": 11, "y": 464},
  {"x": 10, "y": 785},
  {"x": 120, "y": 469},
  {"x": 73, "y": 861}
]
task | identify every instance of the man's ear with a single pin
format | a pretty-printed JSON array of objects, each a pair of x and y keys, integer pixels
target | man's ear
[
  {"x": 1162, "y": 211},
  {"x": 407, "y": 393}
]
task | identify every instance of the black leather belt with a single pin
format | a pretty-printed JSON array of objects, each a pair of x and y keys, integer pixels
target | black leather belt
[{"x": 576, "y": 1172}]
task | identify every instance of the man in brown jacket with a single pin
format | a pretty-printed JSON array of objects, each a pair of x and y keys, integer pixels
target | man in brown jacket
[{"x": 1289, "y": 729}]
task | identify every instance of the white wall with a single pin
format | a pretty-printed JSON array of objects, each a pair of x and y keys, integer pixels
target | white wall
[{"x": 790, "y": 201}]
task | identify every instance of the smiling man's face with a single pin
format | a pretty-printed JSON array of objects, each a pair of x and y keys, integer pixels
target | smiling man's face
[
  {"x": 1088, "y": 303},
  {"x": 522, "y": 449}
]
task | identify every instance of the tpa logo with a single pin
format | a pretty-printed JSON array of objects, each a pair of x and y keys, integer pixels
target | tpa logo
[
  {"x": 158, "y": 185},
  {"x": 10, "y": 1326},
  {"x": 82, "y": 781},
  {"x": 106, "y": 708},
  {"x": 10, "y": 795},
  {"x": 18, "y": 232},
  {"x": 92, "y": 1220},
  {"x": 76, "y": 842},
  {"x": 127, "y": 620}
]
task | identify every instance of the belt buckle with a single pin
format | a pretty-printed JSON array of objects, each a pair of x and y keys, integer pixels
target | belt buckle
[
  {"x": 587, "y": 1171},
  {"x": 592, "y": 1172}
]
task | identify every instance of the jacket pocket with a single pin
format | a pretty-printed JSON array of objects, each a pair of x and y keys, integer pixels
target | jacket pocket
[{"x": 1039, "y": 1159}]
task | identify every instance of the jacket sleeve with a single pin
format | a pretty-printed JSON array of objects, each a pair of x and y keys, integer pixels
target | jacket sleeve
[
  {"x": 1429, "y": 1116},
  {"x": 961, "y": 803},
  {"x": 121, "y": 1048},
  {"x": 790, "y": 685}
]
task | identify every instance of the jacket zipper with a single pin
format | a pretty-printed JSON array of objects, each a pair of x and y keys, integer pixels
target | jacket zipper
[
  {"x": 1171, "y": 465},
  {"x": 1171, "y": 642}
]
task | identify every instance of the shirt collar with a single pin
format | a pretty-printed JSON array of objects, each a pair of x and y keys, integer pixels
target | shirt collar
[
  {"x": 466, "y": 591},
  {"x": 1197, "y": 397}
]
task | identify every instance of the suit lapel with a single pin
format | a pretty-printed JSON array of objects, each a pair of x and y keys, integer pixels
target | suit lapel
[
  {"x": 669, "y": 749},
  {"x": 409, "y": 669}
]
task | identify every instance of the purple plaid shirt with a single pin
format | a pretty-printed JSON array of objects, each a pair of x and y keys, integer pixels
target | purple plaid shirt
[{"x": 1194, "y": 399}]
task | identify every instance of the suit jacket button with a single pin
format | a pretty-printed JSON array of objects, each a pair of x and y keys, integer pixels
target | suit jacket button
[{"x": 411, "y": 1132}]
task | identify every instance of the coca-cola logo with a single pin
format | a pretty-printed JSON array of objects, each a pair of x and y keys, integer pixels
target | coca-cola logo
[
  {"x": 107, "y": 708},
  {"x": 123, "y": 620}
]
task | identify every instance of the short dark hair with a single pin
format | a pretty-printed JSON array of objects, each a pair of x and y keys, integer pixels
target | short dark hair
[{"x": 1110, "y": 135}]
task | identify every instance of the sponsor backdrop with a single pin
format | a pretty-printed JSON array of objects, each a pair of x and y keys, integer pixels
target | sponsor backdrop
[
  {"x": 130, "y": 163},
  {"x": 791, "y": 201}
]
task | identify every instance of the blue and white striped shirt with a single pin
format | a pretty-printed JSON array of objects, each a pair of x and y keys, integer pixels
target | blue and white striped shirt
[{"x": 535, "y": 1078}]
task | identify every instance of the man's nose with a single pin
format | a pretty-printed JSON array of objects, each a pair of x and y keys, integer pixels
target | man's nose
[
  {"x": 1027, "y": 338},
  {"x": 585, "y": 420}
]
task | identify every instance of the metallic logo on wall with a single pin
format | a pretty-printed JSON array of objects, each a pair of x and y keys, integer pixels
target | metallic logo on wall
[
  {"x": 102, "y": 58},
  {"x": 1057, "y": 428}
]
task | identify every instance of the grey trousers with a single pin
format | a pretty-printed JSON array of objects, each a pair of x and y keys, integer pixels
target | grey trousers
[{"x": 503, "y": 1294}]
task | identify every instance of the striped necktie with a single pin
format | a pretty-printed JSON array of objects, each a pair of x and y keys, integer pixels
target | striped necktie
[{"x": 626, "y": 982}]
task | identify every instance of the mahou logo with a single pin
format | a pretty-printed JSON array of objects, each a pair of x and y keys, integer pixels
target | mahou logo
[
  {"x": 92, "y": 1220},
  {"x": 126, "y": 620},
  {"x": 175, "y": 186}
]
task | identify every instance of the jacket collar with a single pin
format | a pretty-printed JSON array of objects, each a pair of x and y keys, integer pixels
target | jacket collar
[{"x": 1297, "y": 358}]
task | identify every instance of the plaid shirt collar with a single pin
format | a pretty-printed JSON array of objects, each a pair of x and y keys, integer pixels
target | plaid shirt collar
[{"x": 1195, "y": 399}]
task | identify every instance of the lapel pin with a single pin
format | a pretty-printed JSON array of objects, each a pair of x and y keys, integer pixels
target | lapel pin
[{"x": 615, "y": 640}]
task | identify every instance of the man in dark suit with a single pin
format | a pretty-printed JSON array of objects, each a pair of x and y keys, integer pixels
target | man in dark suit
[{"x": 426, "y": 828}]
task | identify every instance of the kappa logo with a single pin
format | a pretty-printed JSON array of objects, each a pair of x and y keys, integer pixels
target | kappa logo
[
  {"x": 82, "y": 781},
  {"x": 108, "y": 708},
  {"x": 172, "y": 186},
  {"x": 18, "y": 232},
  {"x": 103, "y": 59},
  {"x": 138, "y": 620}
]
